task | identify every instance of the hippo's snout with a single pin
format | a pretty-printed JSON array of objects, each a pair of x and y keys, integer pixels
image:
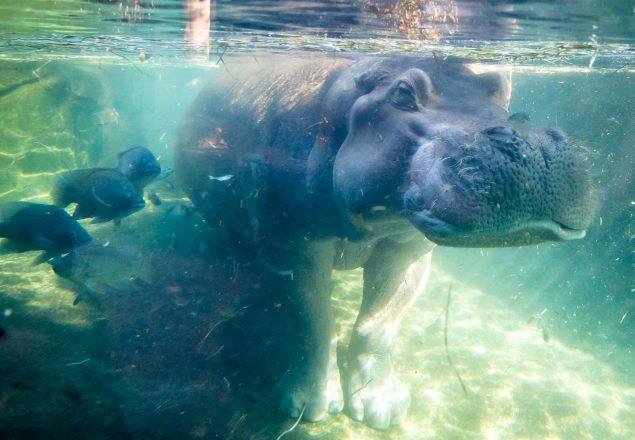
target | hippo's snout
[
  {"x": 499, "y": 187},
  {"x": 501, "y": 134}
]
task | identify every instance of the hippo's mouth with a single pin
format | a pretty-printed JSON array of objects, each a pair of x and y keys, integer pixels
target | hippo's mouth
[{"x": 444, "y": 232}]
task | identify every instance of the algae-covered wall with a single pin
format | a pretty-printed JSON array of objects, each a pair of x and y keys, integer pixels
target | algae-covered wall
[
  {"x": 57, "y": 115},
  {"x": 49, "y": 115}
]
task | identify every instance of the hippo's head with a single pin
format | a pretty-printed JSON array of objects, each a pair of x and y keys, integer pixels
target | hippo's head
[{"x": 430, "y": 141}]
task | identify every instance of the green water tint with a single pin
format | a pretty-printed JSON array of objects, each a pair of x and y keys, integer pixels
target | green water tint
[
  {"x": 567, "y": 374},
  {"x": 518, "y": 384},
  {"x": 579, "y": 382},
  {"x": 50, "y": 124}
]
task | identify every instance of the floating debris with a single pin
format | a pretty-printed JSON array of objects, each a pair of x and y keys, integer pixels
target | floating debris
[
  {"x": 294, "y": 425},
  {"x": 223, "y": 178},
  {"x": 378, "y": 208},
  {"x": 362, "y": 387},
  {"x": 445, "y": 341},
  {"x": 594, "y": 55},
  {"x": 623, "y": 317},
  {"x": 79, "y": 362}
]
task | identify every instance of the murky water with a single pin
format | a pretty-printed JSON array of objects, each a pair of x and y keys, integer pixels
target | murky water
[{"x": 166, "y": 336}]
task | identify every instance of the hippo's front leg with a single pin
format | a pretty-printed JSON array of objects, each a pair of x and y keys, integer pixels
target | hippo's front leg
[
  {"x": 394, "y": 276},
  {"x": 311, "y": 384}
]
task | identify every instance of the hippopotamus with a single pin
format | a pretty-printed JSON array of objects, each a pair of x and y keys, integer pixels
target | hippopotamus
[{"x": 369, "y": 162}]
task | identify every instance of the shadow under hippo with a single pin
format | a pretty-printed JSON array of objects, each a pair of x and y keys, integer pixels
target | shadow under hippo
[{"x": 335, "y": 163}]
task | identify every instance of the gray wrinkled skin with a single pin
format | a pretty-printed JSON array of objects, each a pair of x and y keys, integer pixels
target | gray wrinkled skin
[
  {"x": 432, "y": 140},
  {"x": 338, "y": 164}
]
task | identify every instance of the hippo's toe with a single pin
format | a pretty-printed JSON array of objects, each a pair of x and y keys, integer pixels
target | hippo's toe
[
  {"x": 375, "y": 396},
  {"x": 310, "y": 395}
]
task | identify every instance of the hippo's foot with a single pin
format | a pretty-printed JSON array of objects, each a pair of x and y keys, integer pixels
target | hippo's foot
[
  {"x": 373, "y": 394},
  {"x": 312, "y": 393}
]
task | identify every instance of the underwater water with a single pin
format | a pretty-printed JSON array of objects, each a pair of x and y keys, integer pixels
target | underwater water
[{"x": 164, "y": 336}]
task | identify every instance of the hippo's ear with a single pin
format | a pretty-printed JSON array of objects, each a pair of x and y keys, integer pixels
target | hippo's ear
[
  {"x": 495, "y": 82},
  {"x": 365, "y": 82},
  {"x": 422, "y": 83},
  {"x": 498, "y": 86}
]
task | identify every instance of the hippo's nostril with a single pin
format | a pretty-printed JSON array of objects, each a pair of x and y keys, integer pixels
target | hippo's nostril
[
  {"x": 556, "y": 135},
  {"x": 500, "y": 133}
]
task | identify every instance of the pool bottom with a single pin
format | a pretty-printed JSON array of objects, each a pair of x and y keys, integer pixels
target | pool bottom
[{"x": 151, "y": 361}]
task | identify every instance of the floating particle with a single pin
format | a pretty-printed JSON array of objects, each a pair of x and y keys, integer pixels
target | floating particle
[{"x": 223, "y": 178}]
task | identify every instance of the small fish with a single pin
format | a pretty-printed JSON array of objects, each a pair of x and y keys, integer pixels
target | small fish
[
  {"x": 545, "y": 334},
  {"x": 101, "y": 193},
  {"x": 3, "y": 333},
  {"x": 539, "y": 320},
  {"x": 71, "y": 392},
  {"x": 223, "y": 178},
  {"x": 144, "y": 56},
  {"x": 20, "y": 385},
  {"x": 154, "y": 198},
  {"x": 139, "y": 165},
  {"x": 34, "y": 226},
  {"x": 520, "y": 117}
]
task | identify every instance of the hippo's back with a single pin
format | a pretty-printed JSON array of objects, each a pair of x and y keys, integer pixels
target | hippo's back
[
  {"x": 255, "y": 98},
  {"x": 255, "y": 117}
]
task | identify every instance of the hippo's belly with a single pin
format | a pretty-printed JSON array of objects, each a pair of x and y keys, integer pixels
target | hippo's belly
[{"x": 350, "y": 255}]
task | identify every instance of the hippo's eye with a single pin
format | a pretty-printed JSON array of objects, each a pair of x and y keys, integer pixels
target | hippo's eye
[{"x": 403, "y": 97}]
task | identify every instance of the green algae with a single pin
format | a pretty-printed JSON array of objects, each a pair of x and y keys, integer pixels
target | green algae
[{"x": 48, "y": 123}]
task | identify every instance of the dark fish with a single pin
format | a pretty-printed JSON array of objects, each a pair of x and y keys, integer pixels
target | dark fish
[
  {"x": 154, "y": 198},
  {"x": 71, "y": 392},
  {"x": 20, "y": 385},
  {"x": 520, "y": 117},
  {"x": 139, "y": 165},
  {"x": 3, "y": 333},
  {"x": 34, "y": 226},
  {"x": 96, "y": 269},
  {"x": 102, "y": 193}
]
